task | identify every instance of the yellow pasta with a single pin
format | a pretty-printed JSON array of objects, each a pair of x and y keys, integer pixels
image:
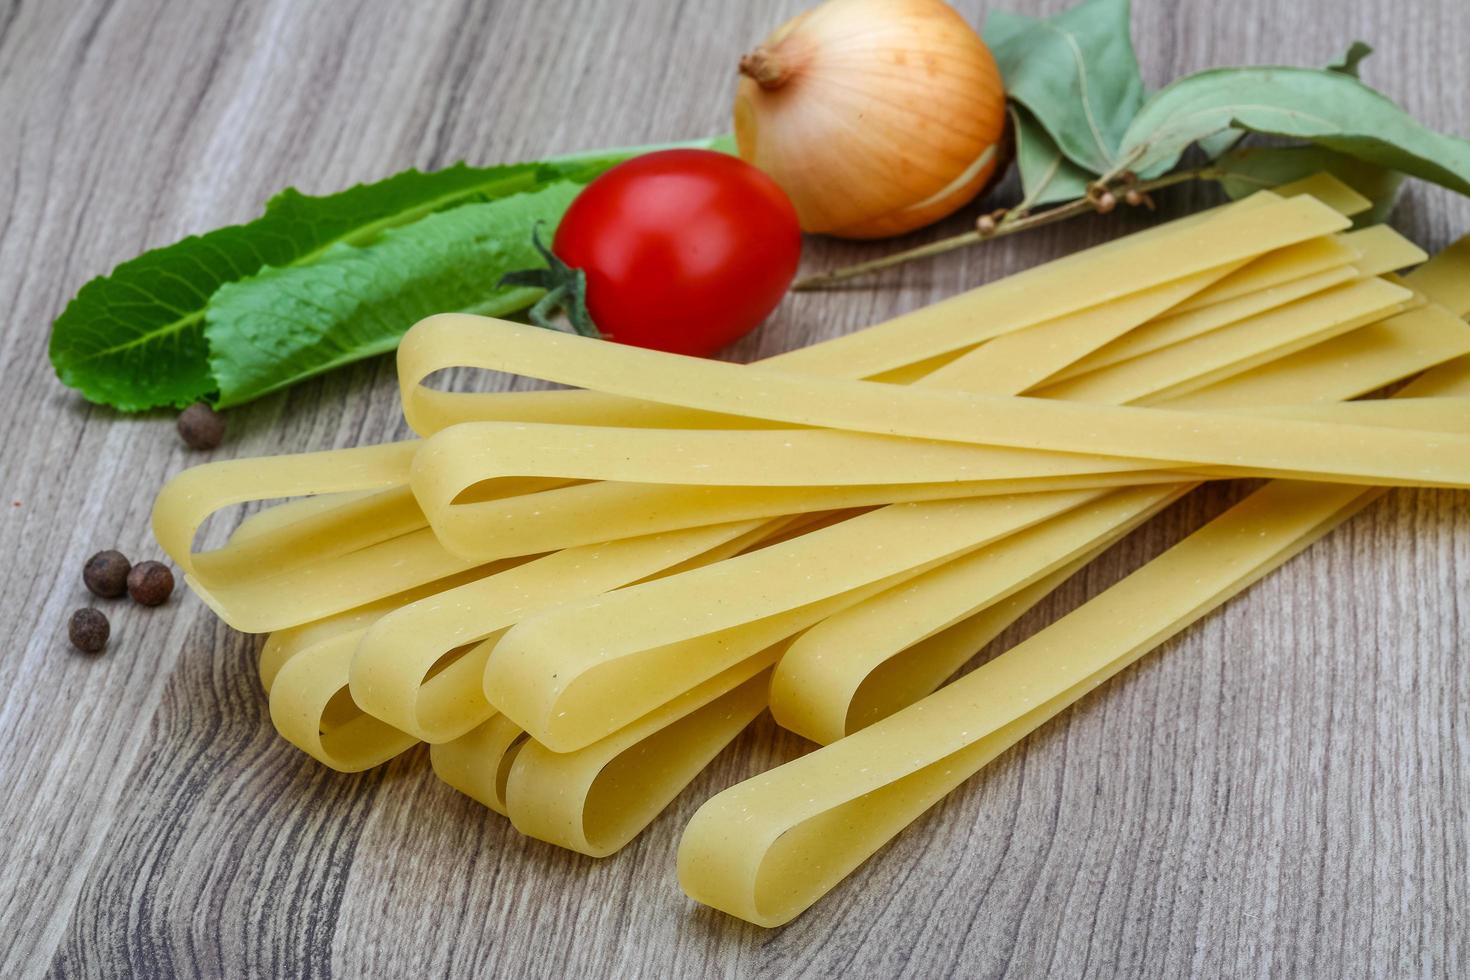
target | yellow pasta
[
  {"x": 579, "y": 598},
  {"x": 585, "y": 669},
  {"x": 478, "y": 762},
  {"x": 1222, "y": 353},
  {"x": 597, "y": 799},
  {"x": 224, "y": 578},
  {"x": 1378, "y": 250},
  {"x": 392, "y": 674},
  {"x": 447, "y": 678},
  {"x": 823, "y": 671},
  {"x": 1444, "y": 279},
  {"x": 768, "y": 848},
  {"x": 1098, "y": 275},
  {"x": 820, "y": 674},
  {"x": 1341, "y": 453},
  {"x": 1345, "y": 367},
  {"x": 309, "y": 708},
  {"x": 1015, "y": 362},
  {"x": 817, "y": 694}
]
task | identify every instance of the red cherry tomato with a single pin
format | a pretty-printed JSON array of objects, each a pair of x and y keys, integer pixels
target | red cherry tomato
[{"x": 684, "y": 250}]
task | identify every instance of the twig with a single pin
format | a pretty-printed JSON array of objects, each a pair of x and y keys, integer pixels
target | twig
[{"x": 1008, "y": 223}]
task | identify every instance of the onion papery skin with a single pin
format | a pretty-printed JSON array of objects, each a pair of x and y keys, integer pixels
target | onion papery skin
[{"x": 875, "y": 116}]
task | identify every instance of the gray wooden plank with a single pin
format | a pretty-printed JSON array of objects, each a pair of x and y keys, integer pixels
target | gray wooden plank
[{"x": 1282, "y": 791}]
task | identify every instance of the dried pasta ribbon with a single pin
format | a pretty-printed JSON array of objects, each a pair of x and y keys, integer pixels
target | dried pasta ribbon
[
  {"x": 1346, "y": 367},
  {"x": 1223, "y": 353},
  {"x": 821, "y": 674},
  {"x": 1103, "y": 274},
  {"x": 1374, "y": 251},
  {"x": 588, "y": 513},
  {"x": 863, "y": 649},
  {"x": 478, "y": 762},
  {"x": 1338, "y": 369},
  {"x": 419, "y": 667},
  {"x": 581, "y": 671},
  {"x": 329, "y": 533},
  {"x": 768, "y": 848},
  {"x": 410, "y": 710},
  {"x": 1341, "y": 453},
  {"x": 597, "y": 799}
]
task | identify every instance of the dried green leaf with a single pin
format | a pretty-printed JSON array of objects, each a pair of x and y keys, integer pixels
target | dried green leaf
[
  {"x": 1348, "y": 63},
  {"x": 1325, "y": 107},
  {"x": 1076, "y": 73},
  {"x": 1047, "y": 176},
  {"x": 1246, "y": 170}
]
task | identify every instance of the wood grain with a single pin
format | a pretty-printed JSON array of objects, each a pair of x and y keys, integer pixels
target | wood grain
[{"x": 1283, "y": 791}]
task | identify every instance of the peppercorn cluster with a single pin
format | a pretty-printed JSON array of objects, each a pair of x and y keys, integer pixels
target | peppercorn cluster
[{"x": 107, "y": 575}]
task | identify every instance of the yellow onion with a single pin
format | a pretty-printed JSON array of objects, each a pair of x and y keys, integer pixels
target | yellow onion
[{"x": 875, "y": 116}]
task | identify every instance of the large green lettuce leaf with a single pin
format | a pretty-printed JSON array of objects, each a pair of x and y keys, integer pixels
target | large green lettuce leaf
[
  {"x": 135, "y": 338},
  {"x": 285, "y": 324}
]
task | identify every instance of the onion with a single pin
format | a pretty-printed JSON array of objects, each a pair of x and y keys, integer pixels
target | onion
[{"x": 874, "y": 116}]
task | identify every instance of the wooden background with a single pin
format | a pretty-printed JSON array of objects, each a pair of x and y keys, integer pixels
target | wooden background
[{"x": 1282, "y": 791}]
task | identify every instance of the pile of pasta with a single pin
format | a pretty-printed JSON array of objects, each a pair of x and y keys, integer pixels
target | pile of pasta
[{"x": 579, "y": 597}]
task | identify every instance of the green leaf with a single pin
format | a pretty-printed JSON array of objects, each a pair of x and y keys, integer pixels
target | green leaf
[
  {"x": 1075, "y": 72},
  {"x": 1047, "y": 176},
  {"x": 286, "y": 324},
  {"x": 1348, "y": 65},
  {"x": 1326, "y": 107},
  {"x": 134, "y": 339},
  {"x": 1217, "y": 144},
  {"x": 1249, "y": 169}
]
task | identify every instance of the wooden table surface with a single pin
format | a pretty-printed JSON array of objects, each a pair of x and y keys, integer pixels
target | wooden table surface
[{"x": 1282, "y": 791}]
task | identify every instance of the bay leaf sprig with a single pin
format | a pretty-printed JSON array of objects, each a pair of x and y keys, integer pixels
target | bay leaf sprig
[{"x": 1088, "y": 137}]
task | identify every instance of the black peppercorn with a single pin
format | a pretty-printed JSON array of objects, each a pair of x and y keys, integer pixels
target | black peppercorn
[
  {"x": 106, "y": 574},
  {"x": 201, "y": 427},
  {"x": 150, "y": 583},
  {"x": 88, "y": 630}
]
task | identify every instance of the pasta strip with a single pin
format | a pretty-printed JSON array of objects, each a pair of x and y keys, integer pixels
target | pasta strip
[
  {"x": 478, "y": 762},
  {"x": 389, "y": 674},
  {"x": 1341, "y": 368},
  {"x": 1246, "y": 344},
  {"x": 1341, "y": 453},
  {"x": 1345, "y": 367},
  {"x": 814, "y": 694},
  {"x": 1273, "y": 270},
  {"x": 573, "y": 675},
  {"x": 1015, "y": 361},
  {"x": 1379, "y": 250},
  {"x": 653, "y": 758},
  {"x": 822, "y": 674},
  {"x": 766, "y": 849},
  {"x": 592, "y": 512},
  {"x": 1105, "y": 273},
  {"x": 336, "y": 531},
  {"x": 597, "y": 799},
  {"x": 822, "y": 671}
]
